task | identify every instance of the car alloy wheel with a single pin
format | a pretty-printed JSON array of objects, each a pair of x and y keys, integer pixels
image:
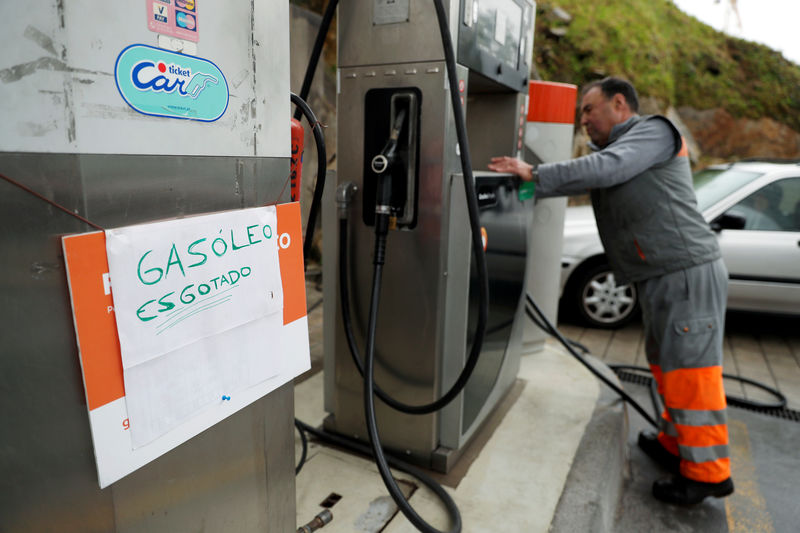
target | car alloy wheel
[{"x": 601, "y": 302}]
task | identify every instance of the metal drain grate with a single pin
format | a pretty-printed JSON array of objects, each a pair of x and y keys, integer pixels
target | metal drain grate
[{"x": 641, "y": 379}]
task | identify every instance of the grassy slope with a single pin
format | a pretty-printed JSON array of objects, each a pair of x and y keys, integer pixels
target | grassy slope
[{"x": 667, "y": 55}]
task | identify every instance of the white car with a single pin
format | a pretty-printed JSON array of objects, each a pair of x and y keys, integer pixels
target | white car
[{"x": 754, "y": 208}]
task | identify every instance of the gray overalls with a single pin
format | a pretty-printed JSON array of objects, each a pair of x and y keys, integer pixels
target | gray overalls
[{"x": 646, "y": 212}]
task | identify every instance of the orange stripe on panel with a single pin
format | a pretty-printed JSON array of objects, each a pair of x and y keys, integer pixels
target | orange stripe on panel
[
  {"x": 684, "y": 151},
  {"x": 290, "y": 257},
  {"x": 701, "y": 436},
  {"x": 551, "y": 102},
  {"x": 96, "y": 327},
  {"x": 708, "y": 472},
  {"x": 694, "y": 388}
]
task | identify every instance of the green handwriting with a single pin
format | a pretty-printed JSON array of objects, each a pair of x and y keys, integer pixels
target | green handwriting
[
  {"x": 191, "y": 292},
  {"x": 150, "y": 272}
]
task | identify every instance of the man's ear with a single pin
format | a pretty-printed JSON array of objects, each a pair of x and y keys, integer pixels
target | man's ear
[{"x": 619, "y": 102}]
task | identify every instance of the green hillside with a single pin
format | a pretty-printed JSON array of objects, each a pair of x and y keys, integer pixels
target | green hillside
[{"x": 668, "y": 55}]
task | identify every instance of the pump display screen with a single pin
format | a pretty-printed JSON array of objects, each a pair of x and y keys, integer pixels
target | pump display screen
[
  {"x": 494, "y": 41},
  {"x": 499, "y": 27}
]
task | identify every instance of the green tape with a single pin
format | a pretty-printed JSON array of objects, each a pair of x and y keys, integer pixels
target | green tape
[{"x": 527, "y": 189}]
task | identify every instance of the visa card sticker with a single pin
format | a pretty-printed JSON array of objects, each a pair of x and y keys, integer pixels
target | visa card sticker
[{"x": 173, "y": 18}]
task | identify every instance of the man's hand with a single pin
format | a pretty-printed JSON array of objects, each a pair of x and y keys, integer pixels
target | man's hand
[{"x": 514, "y": 166}]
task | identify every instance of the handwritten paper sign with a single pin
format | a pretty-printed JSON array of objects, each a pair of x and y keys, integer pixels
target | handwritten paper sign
[
  {"x": 172, "y": 405},
  {"x": 180, "y": 281},
  {"x": 184, "y": 293}
]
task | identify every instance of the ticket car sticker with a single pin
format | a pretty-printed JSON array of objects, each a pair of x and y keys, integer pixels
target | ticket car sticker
[{"x": 167, "y": 84}]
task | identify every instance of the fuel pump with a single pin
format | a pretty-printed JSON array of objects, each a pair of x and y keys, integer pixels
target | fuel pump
[{"x": 442, "y": 360}]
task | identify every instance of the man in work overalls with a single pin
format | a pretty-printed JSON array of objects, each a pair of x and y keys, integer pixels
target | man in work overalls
[{"x": 640, "y": 183}]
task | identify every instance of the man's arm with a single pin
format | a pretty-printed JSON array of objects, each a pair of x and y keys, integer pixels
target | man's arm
[{"x": 648, "y": 143}]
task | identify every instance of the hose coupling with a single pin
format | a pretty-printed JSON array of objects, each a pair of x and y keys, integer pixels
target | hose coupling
[
  {"x": 344, "y": 195},
  {"x": 324, "y": 517}
]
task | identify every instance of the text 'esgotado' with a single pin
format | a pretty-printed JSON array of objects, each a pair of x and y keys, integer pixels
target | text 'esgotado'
[{"x": 195, "y": 254}]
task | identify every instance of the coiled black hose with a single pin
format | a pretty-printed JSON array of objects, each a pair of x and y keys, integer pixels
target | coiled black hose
[{"x": 542, "y": 322}]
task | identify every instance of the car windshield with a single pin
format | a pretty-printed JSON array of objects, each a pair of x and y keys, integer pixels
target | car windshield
[{"x": 713, "y": 184}]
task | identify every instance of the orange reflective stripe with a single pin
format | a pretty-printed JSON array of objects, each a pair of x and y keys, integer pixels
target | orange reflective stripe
[
  {"x": 708, "y": 472},
  {"x": 702, "y": 435},
  {"x": 694, "y": 388}
]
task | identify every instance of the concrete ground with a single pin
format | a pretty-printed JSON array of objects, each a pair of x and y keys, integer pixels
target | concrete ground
[{"x": 561, "y": 455}]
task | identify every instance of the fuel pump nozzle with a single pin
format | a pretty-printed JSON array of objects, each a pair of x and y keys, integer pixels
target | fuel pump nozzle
[
  {"x": 385, "y": 159},
  {"x": 391, "y": 144},
  {"x": 382, "y": 163}
]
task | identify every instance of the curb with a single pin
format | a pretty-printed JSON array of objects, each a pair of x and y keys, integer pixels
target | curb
[{"x": 601, "y": 466}]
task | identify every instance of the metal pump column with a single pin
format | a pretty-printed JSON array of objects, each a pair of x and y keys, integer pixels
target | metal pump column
[{"x": 391, "y": 51}]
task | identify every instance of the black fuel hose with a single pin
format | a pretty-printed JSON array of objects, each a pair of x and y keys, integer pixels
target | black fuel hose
[
  {"x": 736, "y": 401},
  {"x": 750, "y": 404},
  {"x": 347, "y": 321},
  {"x": 322, "y": 164},
  {"x": 397, "y": 464},
  {"x": 319, "y": 42},
  {"x": 322, "y": 160},
  {"x": 381, "y": 228},
  {"x": 304, "y": 441},
  {"x": 551, "y": 329}
]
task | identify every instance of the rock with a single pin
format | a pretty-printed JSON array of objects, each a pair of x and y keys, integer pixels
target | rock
[
  {"x": 561, "y": 15},
  {"x": 695, "y": 153},
  {"x": 720, "y": 135},
  {"x": 650, "y": 105}
]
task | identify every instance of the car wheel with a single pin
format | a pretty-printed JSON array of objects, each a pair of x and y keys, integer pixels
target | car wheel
[{"x": 600, "y": 302}]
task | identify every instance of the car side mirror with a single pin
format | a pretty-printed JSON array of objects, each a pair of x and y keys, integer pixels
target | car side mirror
[{"x": 728, "y": 221}]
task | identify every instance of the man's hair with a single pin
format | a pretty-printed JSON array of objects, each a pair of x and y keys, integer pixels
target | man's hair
[{"x": 611, "y": 86}]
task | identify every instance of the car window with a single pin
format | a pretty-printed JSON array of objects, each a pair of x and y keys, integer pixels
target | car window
[
  {"x": 774, "y": 207},
  {"x": 713, "y": 184}
]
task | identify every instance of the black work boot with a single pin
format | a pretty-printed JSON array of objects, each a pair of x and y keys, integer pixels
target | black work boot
[
  {"x": 685, "y": 491},
  {"x": 649, "y": 443}
]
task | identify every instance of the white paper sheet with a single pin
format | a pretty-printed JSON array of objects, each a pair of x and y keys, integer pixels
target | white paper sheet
[
  {"x": 198, "y": 305},
  {"x": 179, "y": 281},
  {"x": 169, "y": 390}
]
